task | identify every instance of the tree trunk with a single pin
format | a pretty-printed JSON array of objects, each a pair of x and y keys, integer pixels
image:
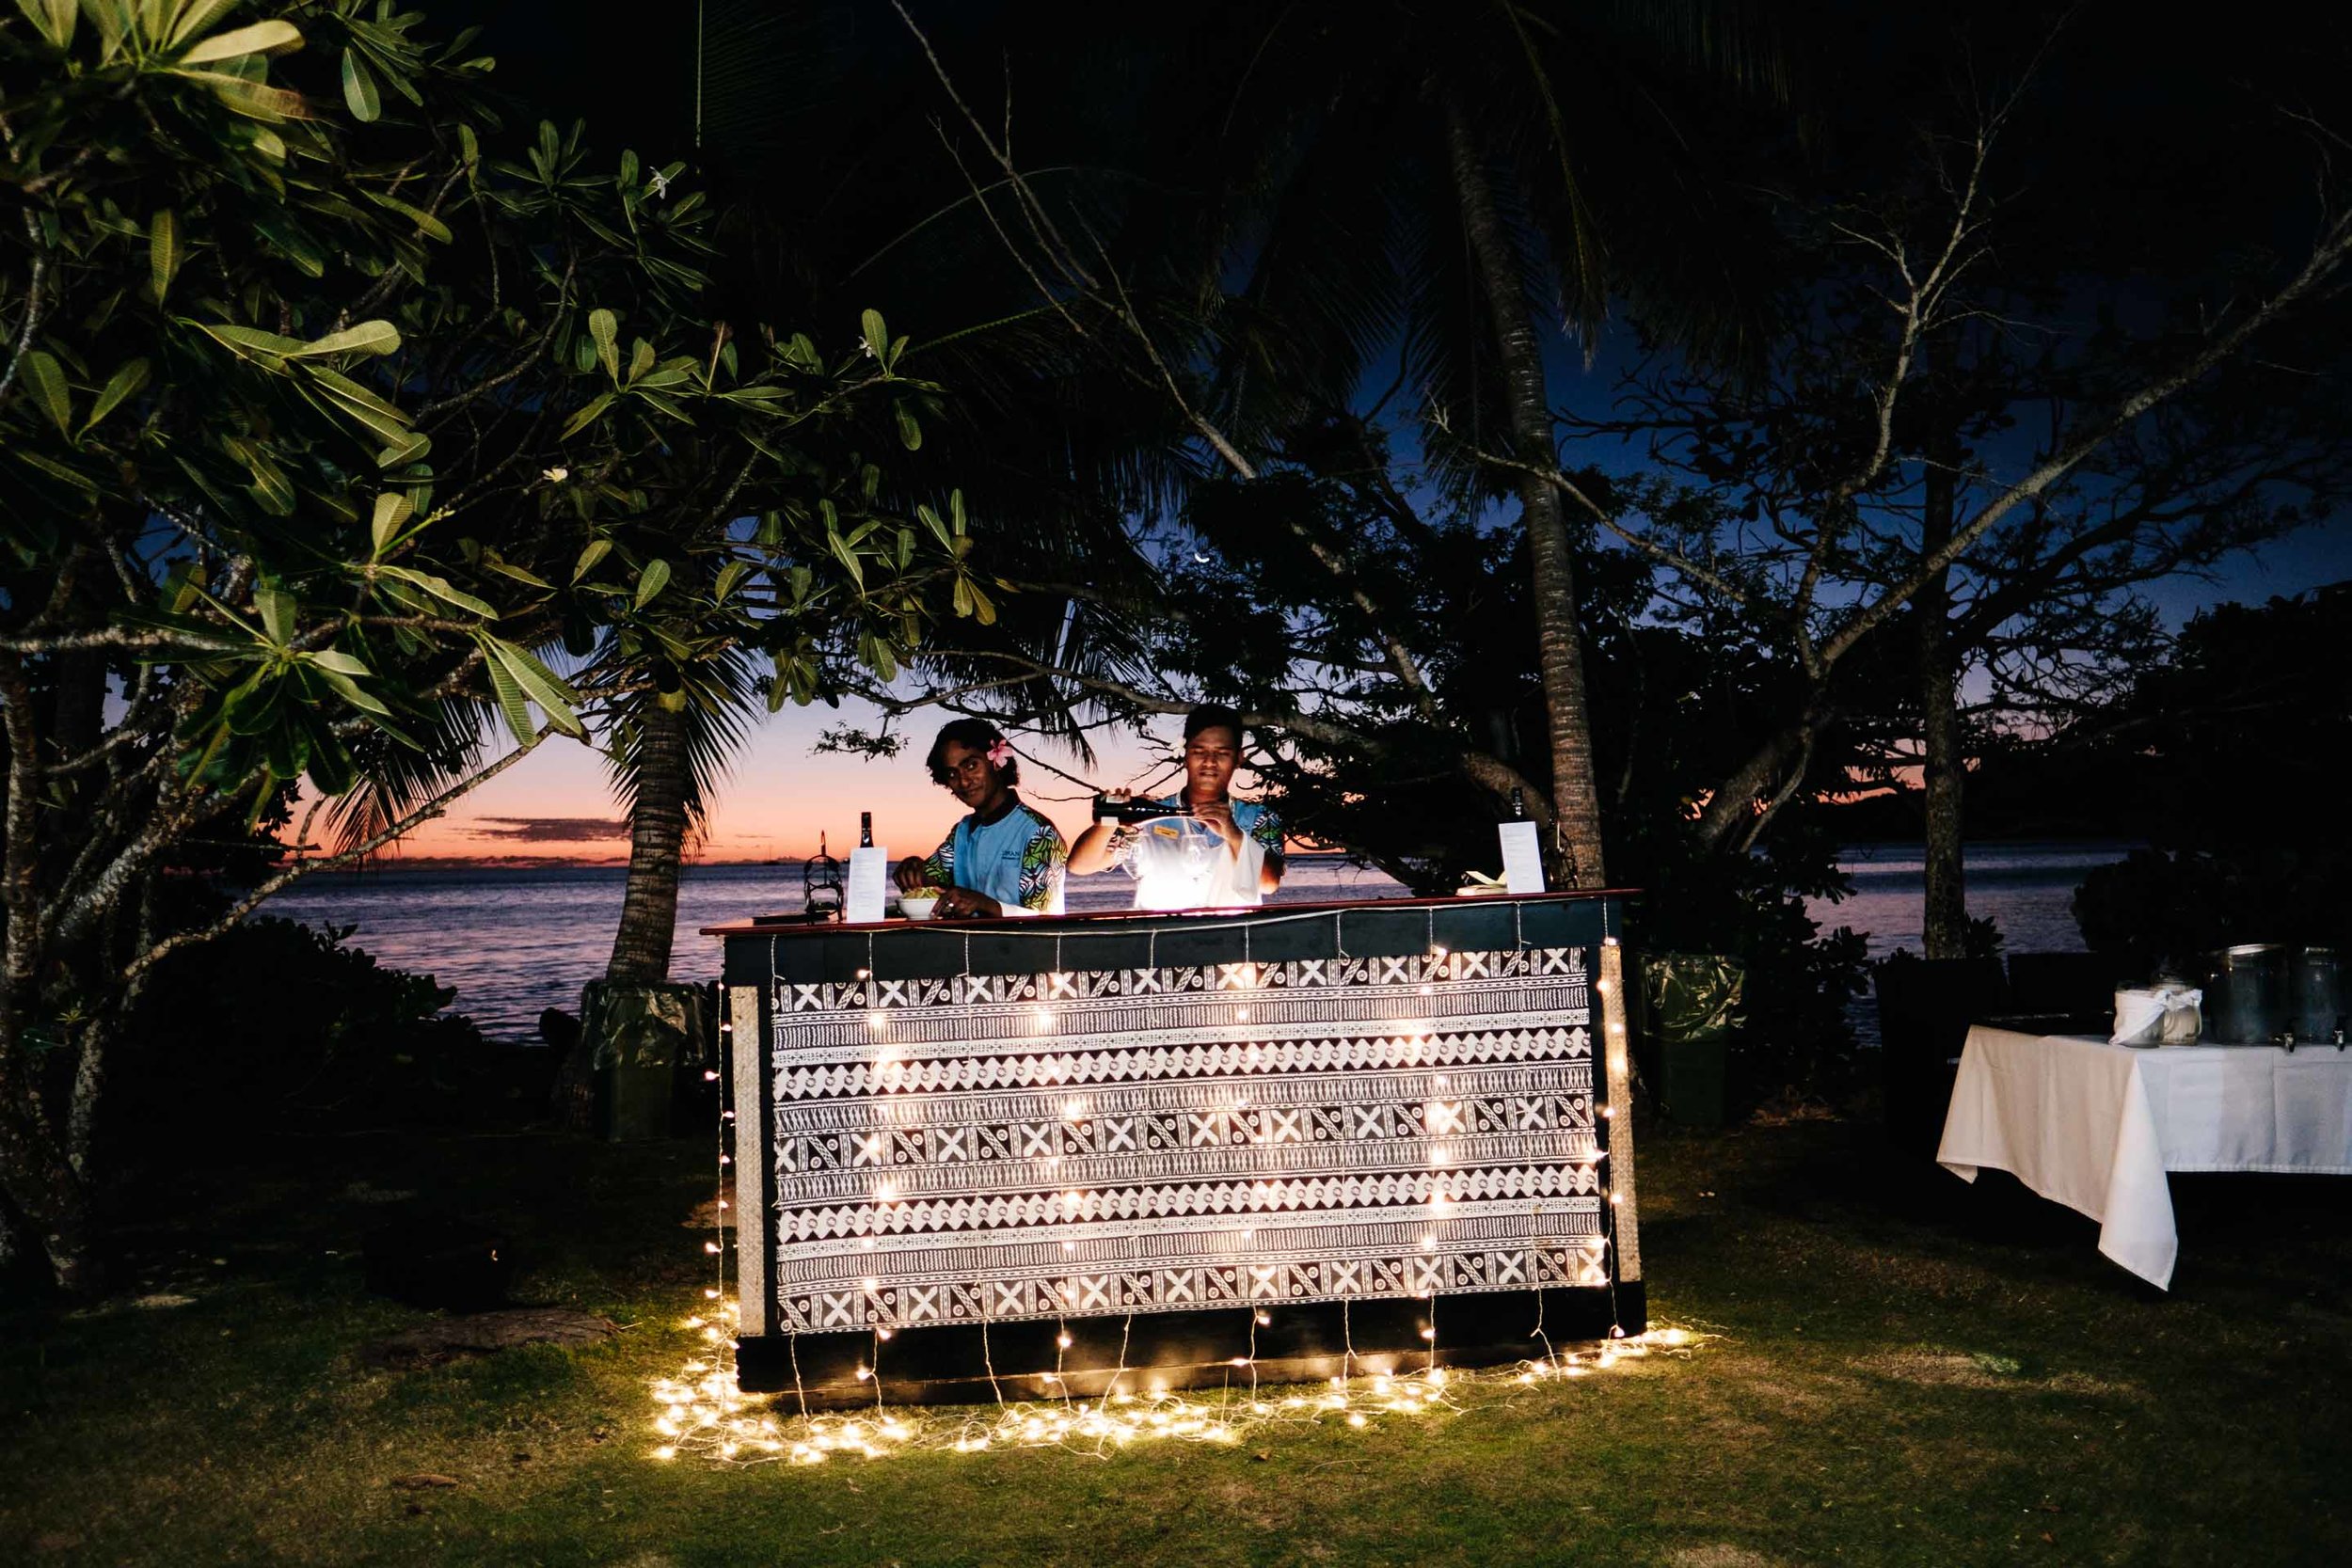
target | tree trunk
[
  {"x": 52, "y": 1200},
  {"x": 1560, "y": 653},
  {"x": 1944, "y": 770},
  {"x": 657, "y": 834},
  {"x": 47, "y": 1193},
  {"x": 1728, "y": 822}
]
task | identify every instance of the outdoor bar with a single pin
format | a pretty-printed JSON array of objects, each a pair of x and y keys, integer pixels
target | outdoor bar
[{"x": 1115, "y": 1152}]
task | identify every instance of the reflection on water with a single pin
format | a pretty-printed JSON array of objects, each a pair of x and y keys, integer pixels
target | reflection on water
[{"x": 516, "y": 940}]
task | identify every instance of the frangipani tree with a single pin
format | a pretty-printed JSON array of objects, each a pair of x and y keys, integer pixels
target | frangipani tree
[
  {"x": 766, "y": 562},
  {"x": 318, "y": 437}
]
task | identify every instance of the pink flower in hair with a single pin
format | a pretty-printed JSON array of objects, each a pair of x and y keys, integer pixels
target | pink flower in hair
[{"x": 999, "y": 753}]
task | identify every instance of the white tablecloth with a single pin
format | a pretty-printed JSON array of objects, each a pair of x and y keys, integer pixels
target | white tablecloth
[{"x": 2096, "y": 1125}]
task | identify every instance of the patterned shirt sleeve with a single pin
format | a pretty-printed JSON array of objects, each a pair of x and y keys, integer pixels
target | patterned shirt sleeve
[
  {"x": 940, "y": 870},
  {"x": 1041, "y": 866},
  {"x": 1268, "y": 832}
]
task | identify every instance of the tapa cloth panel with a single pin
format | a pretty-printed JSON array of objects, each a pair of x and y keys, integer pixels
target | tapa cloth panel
[
  {"x": 2096, "y": 1125},
  {"x": 999, "y": 1148}
]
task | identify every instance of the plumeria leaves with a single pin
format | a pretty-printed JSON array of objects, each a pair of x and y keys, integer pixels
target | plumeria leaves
[
  {"x": 518, "y": 679},
  {"x": 360, "y": 94},
  {"x": 391, "y": 509},
  {"x": 439, "y": 588},
  {"x": 651, "y": 581},
  {"x": 46, "y": 378},
  {"x": 605, "y": 328},
  {"x": 258, "y": 38},
  {"x": 127, "y": 382},
  {"x": 163, "y": 252}
]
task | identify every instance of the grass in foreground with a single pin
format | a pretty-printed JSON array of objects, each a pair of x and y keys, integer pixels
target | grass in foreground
[{"x": 1906, "y": 1371}]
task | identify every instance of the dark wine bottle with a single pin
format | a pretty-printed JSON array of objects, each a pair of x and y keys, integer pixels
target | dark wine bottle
[
  {"x": 1133, "y": 811},
  {"x": 1518, "y": 804},
  {"x": 866, "y": 829}
]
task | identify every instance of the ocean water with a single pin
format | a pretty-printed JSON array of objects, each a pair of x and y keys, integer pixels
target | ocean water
[
  {"x": 2027, "y": 888},
  {"x": 514, "y": 942},
  {"x": 518, "y": 941}
]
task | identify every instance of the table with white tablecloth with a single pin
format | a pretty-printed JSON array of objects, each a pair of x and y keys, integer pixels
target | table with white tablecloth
[{"x": 2096, "y": 1127}]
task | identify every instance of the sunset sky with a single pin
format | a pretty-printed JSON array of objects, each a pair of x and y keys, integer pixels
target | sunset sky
[{"x": 558, "y": 803}]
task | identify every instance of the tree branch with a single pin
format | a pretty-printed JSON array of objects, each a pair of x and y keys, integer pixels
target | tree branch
[{"x": 2326, "y": 258}]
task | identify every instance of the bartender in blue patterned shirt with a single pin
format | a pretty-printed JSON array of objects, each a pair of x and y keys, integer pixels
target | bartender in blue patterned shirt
[
  {"x": 1005, "y": 858},
  {"x": 1221, "y": 853}
]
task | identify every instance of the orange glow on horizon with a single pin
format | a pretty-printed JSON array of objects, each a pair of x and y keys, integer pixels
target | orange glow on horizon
[{"x": 780, "y": 795}]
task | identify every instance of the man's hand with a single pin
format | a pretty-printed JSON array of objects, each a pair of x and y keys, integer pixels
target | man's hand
[
  {"x": 909, "y": 874},
  {"x": 961, "y": 903},
  {"x": 1220, "y": 815}
]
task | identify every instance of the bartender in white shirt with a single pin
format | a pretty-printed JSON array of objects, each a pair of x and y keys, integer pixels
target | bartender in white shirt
[{"x": 1212, "y": 852}]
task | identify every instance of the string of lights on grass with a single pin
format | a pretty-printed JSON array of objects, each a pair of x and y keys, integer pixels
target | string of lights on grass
[{"x": 702, "y": 1415}]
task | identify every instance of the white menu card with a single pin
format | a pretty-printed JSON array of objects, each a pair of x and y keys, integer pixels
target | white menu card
[
  {"x": 869, "y": 881},
  {"x": 1522, "y": 858}
]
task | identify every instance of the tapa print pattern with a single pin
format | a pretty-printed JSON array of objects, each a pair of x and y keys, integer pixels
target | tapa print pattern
[{"x": 997, "y": 1148}]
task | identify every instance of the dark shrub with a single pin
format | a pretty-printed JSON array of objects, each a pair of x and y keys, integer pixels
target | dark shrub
[
  {"x": 2158, "y": 910},
  {"x": 278, "y": 1027}
]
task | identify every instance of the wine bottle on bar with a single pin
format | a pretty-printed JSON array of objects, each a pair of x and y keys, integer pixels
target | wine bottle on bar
[
  {"x": 1522, "y": 856},
  {"x": 866, "y": 829},
  {"x": 1133, "y": 811}
]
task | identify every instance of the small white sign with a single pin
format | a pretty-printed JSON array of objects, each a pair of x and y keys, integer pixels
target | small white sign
[
  {"x": 869, "y": 881},
  {"x": 1522, "y": 858}
]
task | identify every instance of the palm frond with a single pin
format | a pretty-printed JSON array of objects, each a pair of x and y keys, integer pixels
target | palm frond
[
  {"x": 394, "y": 780},
  {"x": 719, "y": 693}
]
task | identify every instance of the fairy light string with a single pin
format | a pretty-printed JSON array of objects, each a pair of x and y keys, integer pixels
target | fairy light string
[{"x": 704, "y": 1413}]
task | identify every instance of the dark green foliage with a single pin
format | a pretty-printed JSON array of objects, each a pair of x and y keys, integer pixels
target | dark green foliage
[
  {"x": 1793, "y": 1038},
  {"x": 2230, "y": 757},
  {"x": 2161, "y": 908},
  {"x": 2242, "y": 739},
  {"x": 275, "y": 1026},
  {"x": 333, "y": 415}
]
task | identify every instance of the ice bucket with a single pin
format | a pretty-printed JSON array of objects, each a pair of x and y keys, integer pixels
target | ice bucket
[
  {"x": 2247, "y": 996},
  {"x": 2319, "y": 1001}
]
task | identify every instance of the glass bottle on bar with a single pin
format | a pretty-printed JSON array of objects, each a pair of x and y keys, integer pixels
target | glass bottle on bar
[{"x": 866, "y": 829}]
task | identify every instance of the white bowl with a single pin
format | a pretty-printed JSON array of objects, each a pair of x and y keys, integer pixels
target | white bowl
[{"x": 917, "y": 908}]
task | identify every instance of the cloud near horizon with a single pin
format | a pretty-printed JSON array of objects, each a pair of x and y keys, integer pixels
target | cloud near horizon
[{"x": 545, "y": 829}]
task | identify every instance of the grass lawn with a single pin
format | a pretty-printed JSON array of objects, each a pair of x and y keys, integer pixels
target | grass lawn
[{"x": 1905, "y": 1371}]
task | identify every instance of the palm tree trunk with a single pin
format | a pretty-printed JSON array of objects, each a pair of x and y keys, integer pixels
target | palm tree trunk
[
  {"x": 657, "y": 835},
  {"x": 1560, "y": 653},
  {"x": 1944, "y": 771}
]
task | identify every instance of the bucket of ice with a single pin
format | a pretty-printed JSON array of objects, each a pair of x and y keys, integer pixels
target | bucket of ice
[{"x": 2245, "y": 999}]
